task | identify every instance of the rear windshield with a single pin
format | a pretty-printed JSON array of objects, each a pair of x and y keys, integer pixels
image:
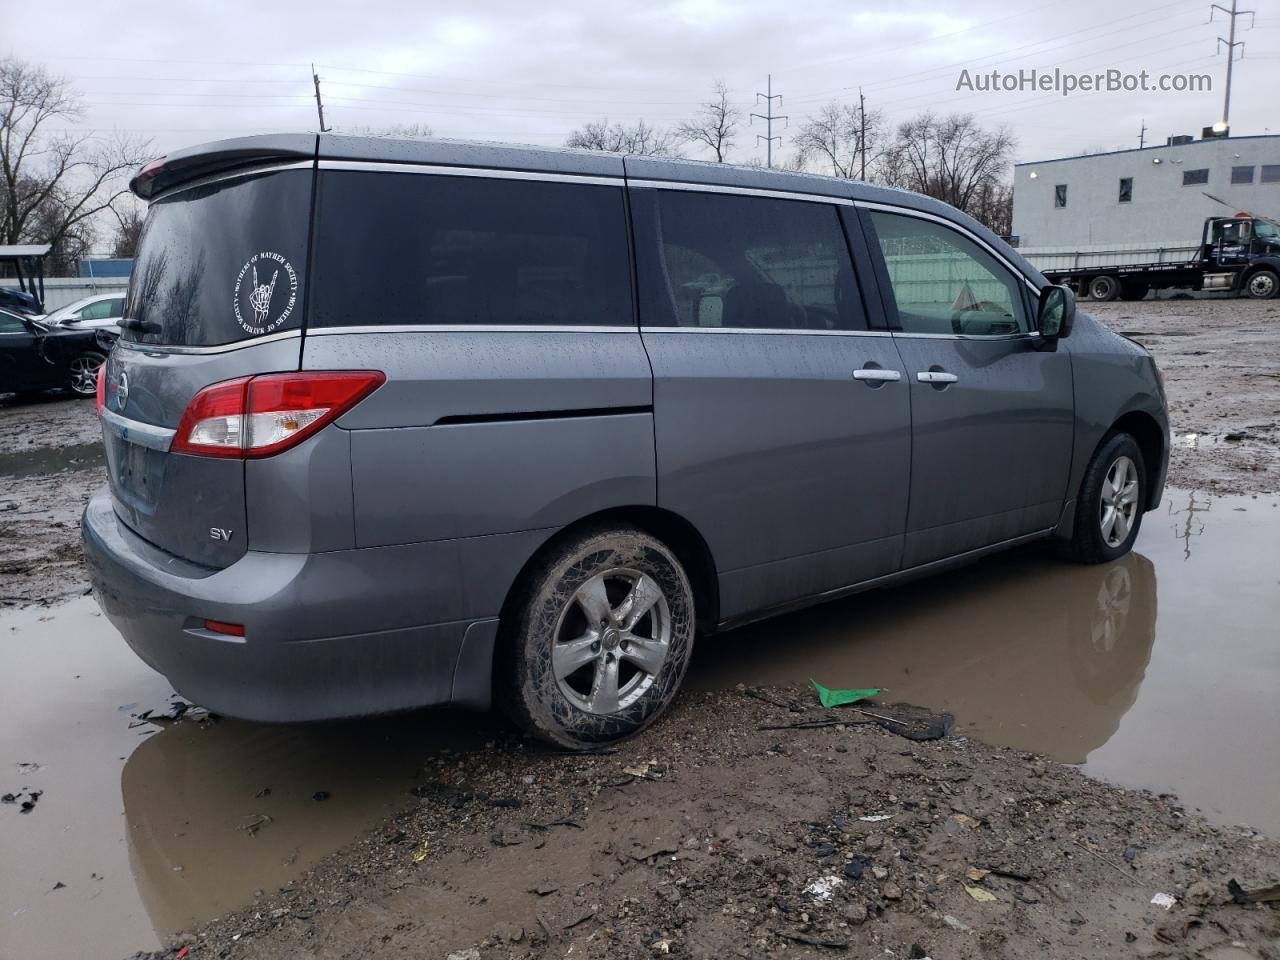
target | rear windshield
[
  {"x": 413, "y": 248},
  {"x": 222, "y": 262}
]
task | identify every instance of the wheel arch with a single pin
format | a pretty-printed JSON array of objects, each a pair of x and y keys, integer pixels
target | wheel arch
[
  {"x": 1270, "y": 264},
  {"x": 681, "y": 536},
  {"x": 1150, "y": 439}
]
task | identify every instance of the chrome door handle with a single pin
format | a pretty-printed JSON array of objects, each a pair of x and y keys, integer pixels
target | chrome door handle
[
  {"x": 875, "y": 373},
  {"x": 936, "y": 376}
]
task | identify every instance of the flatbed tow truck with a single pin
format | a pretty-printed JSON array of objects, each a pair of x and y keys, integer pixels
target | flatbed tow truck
[{"x": 1239, "y": 254}]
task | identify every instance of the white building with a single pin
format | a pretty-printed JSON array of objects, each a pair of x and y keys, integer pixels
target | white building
[{"x": 1110, "y": 205}]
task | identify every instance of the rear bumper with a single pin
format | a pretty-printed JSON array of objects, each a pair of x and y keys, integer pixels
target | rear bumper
[{"x": 327, "y": 635}]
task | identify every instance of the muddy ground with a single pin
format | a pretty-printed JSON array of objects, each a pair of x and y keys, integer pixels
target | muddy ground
[
  {"x": 707, "y": 835},
  {"x": 756, "y": 824}
]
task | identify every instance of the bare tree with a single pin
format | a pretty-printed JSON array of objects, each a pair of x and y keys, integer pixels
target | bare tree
[
  {"x": 397, "y": 131},
  {"x": 833, "y": 140},
  {"x": 951, "y": 158},
  {"x": 715, "y": 123},
  {"x": 54, "y": 184},
  {"x": 129, "y": 220},
  {"x": 639, "y": 138}
]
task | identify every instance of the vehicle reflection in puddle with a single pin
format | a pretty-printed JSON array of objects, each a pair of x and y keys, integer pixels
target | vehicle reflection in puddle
[
  {"x": 1157, "y": 670},
  {"x": 212, "y": 811}
]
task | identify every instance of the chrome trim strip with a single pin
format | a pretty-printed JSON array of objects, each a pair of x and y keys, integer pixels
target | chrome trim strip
[
  {"x": 219, "y": 348},
  {"x": 134, "y": 431},
  {"x": 741, "y": 191},
  {"x": 571, "y": 328},
  {"x": 904, "y": 335},
  {"x": 249, "y": 171},
  {"x": 385, "y": 166},
  {"x": 770, "y": 331},
  {"x": 922, "y": 215},
  {"x": 467, "y": 328}
]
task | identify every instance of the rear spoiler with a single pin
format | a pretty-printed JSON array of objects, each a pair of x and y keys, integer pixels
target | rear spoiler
[{"x": 219, "y": 157}]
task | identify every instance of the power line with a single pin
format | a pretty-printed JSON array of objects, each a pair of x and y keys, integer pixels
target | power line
[{"x": 768, "y": 117}]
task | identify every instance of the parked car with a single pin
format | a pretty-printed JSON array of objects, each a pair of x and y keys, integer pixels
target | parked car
[
  {"x": 100, "y": 311},
  {"x": 35, "y": 357},
  {"x": 554, "y": 412}
]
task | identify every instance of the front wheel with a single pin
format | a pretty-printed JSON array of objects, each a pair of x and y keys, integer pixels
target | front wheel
[
  {"x": 597, "y": 638},
  {"x": 82, "y": 373},
  {"x": 1262, "y": 285},
  {"x": 1109, "y": 508}
]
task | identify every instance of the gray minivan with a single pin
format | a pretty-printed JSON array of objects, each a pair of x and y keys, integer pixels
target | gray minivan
[{"x": 395, "y": 424}]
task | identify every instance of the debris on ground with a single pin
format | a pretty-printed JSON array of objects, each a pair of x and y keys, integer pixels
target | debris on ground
[
  {"x": 838, "y": 698},
  {"x": 757, "y": 844},
  {"x": 1269, "y": 894}
]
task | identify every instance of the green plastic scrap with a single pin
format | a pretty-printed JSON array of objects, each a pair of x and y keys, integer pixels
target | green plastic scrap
[{"x": 838, "y": 698}]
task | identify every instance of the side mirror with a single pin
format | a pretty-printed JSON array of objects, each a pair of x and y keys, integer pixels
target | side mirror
[{"x": 1056, "y": 312}]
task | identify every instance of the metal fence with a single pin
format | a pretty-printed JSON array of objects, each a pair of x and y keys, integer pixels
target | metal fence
[{"x": 60, "y": 291}]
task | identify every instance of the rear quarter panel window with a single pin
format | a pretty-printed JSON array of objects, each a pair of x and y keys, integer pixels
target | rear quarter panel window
[
  {"x": 223, "y": 262},
  {"x": 414, "y": 248}
]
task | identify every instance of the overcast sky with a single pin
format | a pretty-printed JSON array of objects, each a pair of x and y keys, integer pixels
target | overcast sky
[{"x": 513, "y": 70}]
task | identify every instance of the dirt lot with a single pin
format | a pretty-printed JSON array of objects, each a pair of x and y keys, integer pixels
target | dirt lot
[{"x": 710, "y": 836}]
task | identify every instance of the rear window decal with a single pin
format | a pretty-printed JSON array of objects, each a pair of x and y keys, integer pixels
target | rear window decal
[{"x": 260, "y": 292}]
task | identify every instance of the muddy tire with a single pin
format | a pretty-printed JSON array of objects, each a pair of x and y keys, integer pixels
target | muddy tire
[
  {"x": 1262, "y": 285},
  {"x": 1104, "y": 288},
  {"x": 82, "y": 373},
  {"x": 1112, "y": 498},
  {"x": 596, "y": 639}
]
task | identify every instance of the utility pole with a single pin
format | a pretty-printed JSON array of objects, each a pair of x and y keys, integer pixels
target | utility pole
[
  {"x": 862, "y": 132},
  {"x": 768, "y": 117},
  {"x": 1142, "y": 134},
  {"x": 315, "y": 77},
  {"x": 1231, "y": 43}
]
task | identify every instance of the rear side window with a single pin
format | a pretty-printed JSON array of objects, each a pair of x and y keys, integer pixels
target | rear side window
[
  {"x": 222, "y": 262},
  {"x": 410, "y": 248},
  {"x": 720, "y": 260}
]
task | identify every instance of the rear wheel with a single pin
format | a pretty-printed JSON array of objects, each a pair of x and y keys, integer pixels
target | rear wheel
[
  {"x": 1134, "y": 290},
  {"x": 1104, "y": 287},
  {"x": 82, "y": 373},
  {"x": 1262, "y": 285},
  {"x": 1109, "y": 508},
  {"x": 597, "y": 640}
]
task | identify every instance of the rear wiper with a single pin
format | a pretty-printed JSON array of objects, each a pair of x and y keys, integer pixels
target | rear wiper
[{"x": 140, "y": 326}]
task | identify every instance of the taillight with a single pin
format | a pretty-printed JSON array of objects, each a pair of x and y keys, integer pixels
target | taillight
[
  {"x": 261, "y": 416},
  {"x": 101, "y": 388}
]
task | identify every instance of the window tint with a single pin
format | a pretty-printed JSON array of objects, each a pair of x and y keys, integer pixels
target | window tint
[
  {"x": 1191, "y": 177},
  {"x": 943, "y": 282},
  {"x": 1126, "y": 189},
  {"x": 408, "y": 248},
  {"x": 1242, "y": 174},
  {"x": 1271, "y": 173},
  {"x": 222, "y": 262},
  {"x": 1060, "y": 195},
  {"x": 11, "y": 324},
  {"x": 720, "y": 260}
]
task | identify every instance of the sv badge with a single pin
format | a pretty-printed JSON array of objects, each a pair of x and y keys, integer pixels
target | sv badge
[{"x": 220, "y": 533}]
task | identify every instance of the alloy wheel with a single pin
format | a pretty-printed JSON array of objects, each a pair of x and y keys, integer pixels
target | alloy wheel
[
  {"x": 1119, "y": 506},
  {"x": 611, "y": 641},
  {"x": 84, "y": 375}
]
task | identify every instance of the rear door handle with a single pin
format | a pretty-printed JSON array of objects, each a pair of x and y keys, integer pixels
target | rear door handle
[
  {"x": 936, "y": 376},
  {"x": 876, "y": 374}
]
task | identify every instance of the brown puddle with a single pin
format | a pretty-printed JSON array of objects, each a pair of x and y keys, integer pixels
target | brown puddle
[{"x": 1158, "y": 671}]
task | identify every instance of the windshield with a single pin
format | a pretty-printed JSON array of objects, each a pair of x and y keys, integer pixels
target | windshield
[{"x": 221, "y": 262}]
